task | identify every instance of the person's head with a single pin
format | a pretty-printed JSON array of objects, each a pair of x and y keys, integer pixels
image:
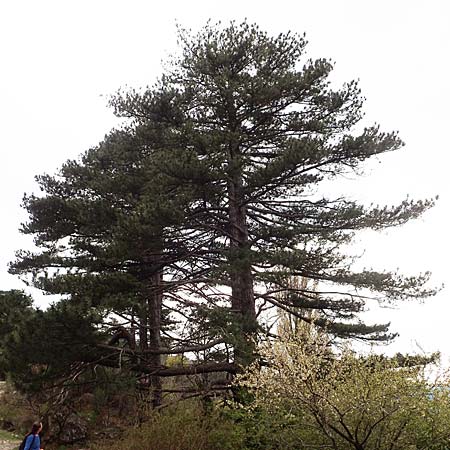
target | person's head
[{"x": 36, "y": 428}]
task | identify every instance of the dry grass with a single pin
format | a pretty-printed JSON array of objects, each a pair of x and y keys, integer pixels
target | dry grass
[{"x": 184, "y": 427}]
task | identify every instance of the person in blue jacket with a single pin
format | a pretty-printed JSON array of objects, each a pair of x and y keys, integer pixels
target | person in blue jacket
[{"x": 33, "y": 441}]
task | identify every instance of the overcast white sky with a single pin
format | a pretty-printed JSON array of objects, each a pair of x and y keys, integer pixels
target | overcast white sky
[{"x": 59, "y": 59}]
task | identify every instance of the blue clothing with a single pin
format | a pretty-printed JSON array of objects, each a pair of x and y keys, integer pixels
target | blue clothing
[{"x": 33, "y": 445}]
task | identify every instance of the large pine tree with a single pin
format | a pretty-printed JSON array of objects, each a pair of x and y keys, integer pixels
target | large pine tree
[
  {"x": 262, "y": 128},
  {"x": 209, "y": 202}
]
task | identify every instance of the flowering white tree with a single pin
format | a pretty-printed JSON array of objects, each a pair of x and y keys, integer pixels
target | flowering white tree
[{"x": 349, "y": 401}]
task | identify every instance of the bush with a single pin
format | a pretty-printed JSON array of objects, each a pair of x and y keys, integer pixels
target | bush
[
  {"x": 349, "y": 401},
  {"x": 182, "y": 427},
  {"x": 227, "y": 426}
]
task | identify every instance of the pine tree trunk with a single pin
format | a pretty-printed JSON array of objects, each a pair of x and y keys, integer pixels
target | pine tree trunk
[
  {"x": 242, "y": 294},
  {"x": 150, "y": 323},
  {"x": 155, "y": 304}
]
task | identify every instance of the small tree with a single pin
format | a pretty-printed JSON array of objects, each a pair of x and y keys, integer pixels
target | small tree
[
  {"x": 348, "y": 401},
  {"x": 15, "y": 311}
]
